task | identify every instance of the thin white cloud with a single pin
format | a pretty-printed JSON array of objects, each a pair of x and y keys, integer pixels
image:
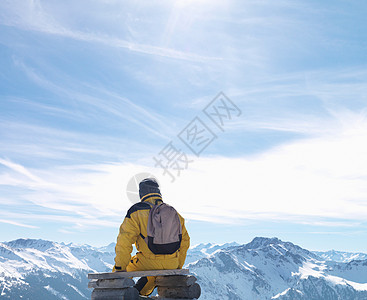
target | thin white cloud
[
  {"x": 320, "y": 180},
  {"x": 61, "y": 147},
  {"x": 17, "y": 223},
  {"x": 109, "y": 103},
  {"x": 21, "y": 170}
]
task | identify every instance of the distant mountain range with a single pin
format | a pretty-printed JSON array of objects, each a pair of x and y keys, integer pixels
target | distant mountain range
[
  {"x": 340, "y": 256},
  {"x": 262, "y": 269},
  {"x": 273, "y": 269}
]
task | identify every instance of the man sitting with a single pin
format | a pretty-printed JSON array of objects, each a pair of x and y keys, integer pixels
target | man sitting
[{"x": 153, "y": 252}]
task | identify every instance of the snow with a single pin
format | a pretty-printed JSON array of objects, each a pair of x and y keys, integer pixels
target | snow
[
  {"x": 271, "y": 245},
  {"x": 281, "y": 294},
  {"x": 283, "y": 247},
  {"x": 79, "y": 292},
  {"x": 310, "y": 268},
  {"x": 248, "y": 266},
  {"x": 56, "y": 293},
  {"x": 357, "y": 286},
  {"x": 335, "y": 280},
  {"x": 284, "y": 293}
]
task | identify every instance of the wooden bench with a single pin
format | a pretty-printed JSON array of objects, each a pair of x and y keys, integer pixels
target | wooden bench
[{"x": 172, "y": 284}]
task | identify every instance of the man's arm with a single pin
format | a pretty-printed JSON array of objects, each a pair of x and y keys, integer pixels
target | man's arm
[
  {"x": 185, "y": 244},
  {"x": 129, "y": 231}
]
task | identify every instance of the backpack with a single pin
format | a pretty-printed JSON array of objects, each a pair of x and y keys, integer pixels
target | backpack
[{"x": 164, "y": 230}]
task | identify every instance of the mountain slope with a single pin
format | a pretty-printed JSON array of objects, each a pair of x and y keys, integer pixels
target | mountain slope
[{"x": 38, "y": 269}]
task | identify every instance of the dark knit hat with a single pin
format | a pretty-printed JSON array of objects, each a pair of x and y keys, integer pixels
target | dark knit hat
[{"x": 148, "y": 186}]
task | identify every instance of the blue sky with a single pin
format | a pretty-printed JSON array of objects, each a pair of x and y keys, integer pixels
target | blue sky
[{"x": 91, "y": 91}]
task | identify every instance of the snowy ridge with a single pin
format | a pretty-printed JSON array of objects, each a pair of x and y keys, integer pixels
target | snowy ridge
[
  {"x": 264, "y": 269},
  {"x": 340, "y": 256},
  {"x": 200, "y": 251}
]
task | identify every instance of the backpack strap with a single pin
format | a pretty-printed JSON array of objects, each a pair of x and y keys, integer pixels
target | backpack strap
[{"x": 141, "y": 235}]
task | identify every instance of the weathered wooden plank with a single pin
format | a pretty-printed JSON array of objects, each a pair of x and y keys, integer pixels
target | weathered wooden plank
[
  {"x": 175, "y": 280},
  {"x": 113, "y": 275},
  {"x": 116, "y": 283},
  {"x": 115, "y": 294},
  {"x": 190, "y": 292}
]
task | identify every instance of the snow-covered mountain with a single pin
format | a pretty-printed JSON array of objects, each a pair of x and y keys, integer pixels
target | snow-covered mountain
[
  {"x": 263, "y": 269},
  {"x": 340, "y": 256},
  {"x": 272, "y": 269},
  {"x": 38, "y": 269}
]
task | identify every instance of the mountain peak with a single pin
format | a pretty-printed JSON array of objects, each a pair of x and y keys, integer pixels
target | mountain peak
[
  {"x": 31, "y": 243},
  {"x": 201, "y": 246},
  {"x": 259, "y": 242}
]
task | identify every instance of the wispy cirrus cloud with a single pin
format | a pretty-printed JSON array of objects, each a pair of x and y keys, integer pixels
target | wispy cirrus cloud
[
  {"x": 20, "y": 170},
  {"x": 17, "y": 224},
  {"x": 31, "y": 15},
  {"x": 112, "y": 104},
  {"x": 68, "y": 222}
]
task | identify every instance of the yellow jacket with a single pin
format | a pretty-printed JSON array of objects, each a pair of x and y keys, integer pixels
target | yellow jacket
[{"x": 135, "y": 225}]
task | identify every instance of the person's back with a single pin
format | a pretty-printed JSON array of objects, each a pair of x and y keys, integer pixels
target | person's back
[{"x": 134, "y": 231}]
